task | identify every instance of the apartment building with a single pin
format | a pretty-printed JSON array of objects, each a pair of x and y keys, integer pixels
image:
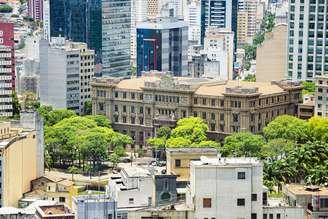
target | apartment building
[
  {"x": 247, "y": 18},
  {"x": 7, "y": 68},
  {"x": 307, "y": 40},
  {"x": 193, "y": 18},
  {"x": 66, "y": 69},
  {"x": 35, "y": 9},
  {"x": 138, "y": 106}
]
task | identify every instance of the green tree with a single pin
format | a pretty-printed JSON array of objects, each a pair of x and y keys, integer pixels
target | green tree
[
  {"x": 119, "y": 151},
  {"x": 163, "y": 132},
  {"x": 318, "y": 128},
  {"x": 287, "y": 127},
  {"x": 52, "y": 117},
  {"x": 308, "y": 87},
  {"x": 157, "y": 142},
  {"x": 114, "y": 159},
  {"x": 242, "y": 144},
  {"x": 5, "y": 9},
  {"x": 87, "y": 109},
  {"x": 277, "y": 148},
  {"x": 101, "y": 120},
  {"x": 250, "y": 78},
  {"x": 95, "y": 145},
  {"x": 73, "y": 170},
  {"x": 178, "y": 142},
  {"x": 16, "y": 105}
]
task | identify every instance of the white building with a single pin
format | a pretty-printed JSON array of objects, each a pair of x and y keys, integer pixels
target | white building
[
  {"x": 236, "y": 188},
  {"x": 66, "y": 69},
  {"x": 132, "y": 188},
  {"x": 46, "y": 20},
  {"x": 219, "y": 46},
  {"x": 233, "y": 188},
  {"x": 193, "y": 16}
]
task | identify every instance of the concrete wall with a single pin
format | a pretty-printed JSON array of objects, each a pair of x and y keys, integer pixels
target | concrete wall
[
  {"x": 20, "y": 167},
  {"x": 285, "y": 212},
  {"x": 271, "y": 56}
]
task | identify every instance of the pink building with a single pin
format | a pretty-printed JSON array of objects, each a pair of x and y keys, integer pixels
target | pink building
[{"x": 35, "y": 9}]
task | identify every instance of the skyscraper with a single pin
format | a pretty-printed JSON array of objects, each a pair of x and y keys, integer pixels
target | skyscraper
[
  {"x": 247, "y": 20},
  {"x": 7, "y": 68},
  {"x": 116, "y": 36},
  {"x": 76, "y": 20},
  {"x": 307, "y": 39},
  {"x": 194, "y": 20},
  {"x": 35, "y": 9},
  {"x": 219, "y": 13},
  {"x": 162, "y": 45}
]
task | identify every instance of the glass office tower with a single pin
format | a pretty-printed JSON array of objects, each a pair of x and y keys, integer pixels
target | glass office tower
[
  {"x": 77, "y": 20},
  {"x": 116, "y": 37}
]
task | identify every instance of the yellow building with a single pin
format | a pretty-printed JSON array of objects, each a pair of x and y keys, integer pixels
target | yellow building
[
  {"x": 19, "y": 164},
  {"x": 178, "y": 160}
]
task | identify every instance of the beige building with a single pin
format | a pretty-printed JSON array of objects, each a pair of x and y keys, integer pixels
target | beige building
[
  {"x": 306, "y": 109},
  {"x": 19, "y": 162},
  {"x": 246, "y": 21},
  {"x": 271, "y": 55},
  {"x": 51, "y": 188},
  {"x": 313, "y": 199},
  {"x": 138, "y": 106},
  {"x": 178, "y": 160}
]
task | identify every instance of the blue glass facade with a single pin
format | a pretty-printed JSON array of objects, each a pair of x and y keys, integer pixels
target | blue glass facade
[
  {"x": 149, "y": 50},
  {"x": 116, "y": 37},
  {"x": 163, "y": 47},
  {"x": 77, "y": 20}
]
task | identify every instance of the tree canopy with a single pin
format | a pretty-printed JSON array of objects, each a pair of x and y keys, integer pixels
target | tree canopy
[{"x": 287, "y": 127}]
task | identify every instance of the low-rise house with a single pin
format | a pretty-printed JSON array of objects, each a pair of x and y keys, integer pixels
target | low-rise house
[
  {"x": 313, "y": 199},
  {"x": 51, "y": 188}
]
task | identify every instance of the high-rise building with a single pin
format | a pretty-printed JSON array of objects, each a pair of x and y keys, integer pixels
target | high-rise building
[
  {"x": 219, "y": 13},
  {"x": 162, "y": 44},
  {"x": 66, "y": 69},
  {"x": 193, "y": 16},
  {"x": 307, "y": 40},
  {"x": 219, "y": 46},
  {"x": 271, "y": 55},
  {"x": 76, "y": 20},
  {"x": 35, "y": 9},
  {"x": 247, "y": 21},
  {"x": 116, "y": 37},
  {"x": 7, "y": 68},
  {"x": 321, "y": 97}
]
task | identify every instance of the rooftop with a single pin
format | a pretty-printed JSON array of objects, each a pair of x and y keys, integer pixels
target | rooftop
[
  {"x": 162, "y": 23},
  {"x": 192, "y": 150},
  {"x": 54, "y": 211},
  {"x": 201, "y": 86},
  {"x": 135, "y": 171},
  {"x": 226, "y": 161},
  {"x": 300, "y": 189}
]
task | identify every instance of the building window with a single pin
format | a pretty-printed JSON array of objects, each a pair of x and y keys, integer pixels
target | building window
[
  {"x": 195, "y": 114},
  {"x": 240, "y": 202},
  {"x": 241, "y": 175},
  {"x": 213, "y": 102},
  {"x": 254, "y": 216},
  {"x": 212, "y": 127},
  {"x": 204, "y": 101},
  {"x": 124, "y": 109},
  {"x": 124, "y": 119},
  {"x": 116, "y": 94},
  {"x": 133, "y": 96},
  {"x": 195, "y": 100},
  {"x": 254, "y": 197},
  {"x": 177, "y": 163},
  {"x": 116, "y": 118},
  {"x": 222, "y": 103},
  {"x": 213, "y": 116},
  {"x": 132, "y": 109},
  {"x": 116, "y": 108},
  {"x": 141, "y": 110},
  {"x": 124, "y": 95},
  {"x": 324, "y": 203},
  {"x": 270, "y": 216},
  {"x": 131, "y": 200},
  {"x": 278, "y": 216},
  {"x": 133, "y": 120},
  {"x": 62, "y": 199},
  {"x": 207, "y": 202},
  {"x": 265, "y": 216},
  {"x": 141, "y": 121},
  {"x": 204, "y": 115},
  {"x": 148, "y": 111}
]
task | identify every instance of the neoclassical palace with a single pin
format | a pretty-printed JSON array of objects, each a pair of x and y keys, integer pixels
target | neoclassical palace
[{"x": 138, "y": 106}]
